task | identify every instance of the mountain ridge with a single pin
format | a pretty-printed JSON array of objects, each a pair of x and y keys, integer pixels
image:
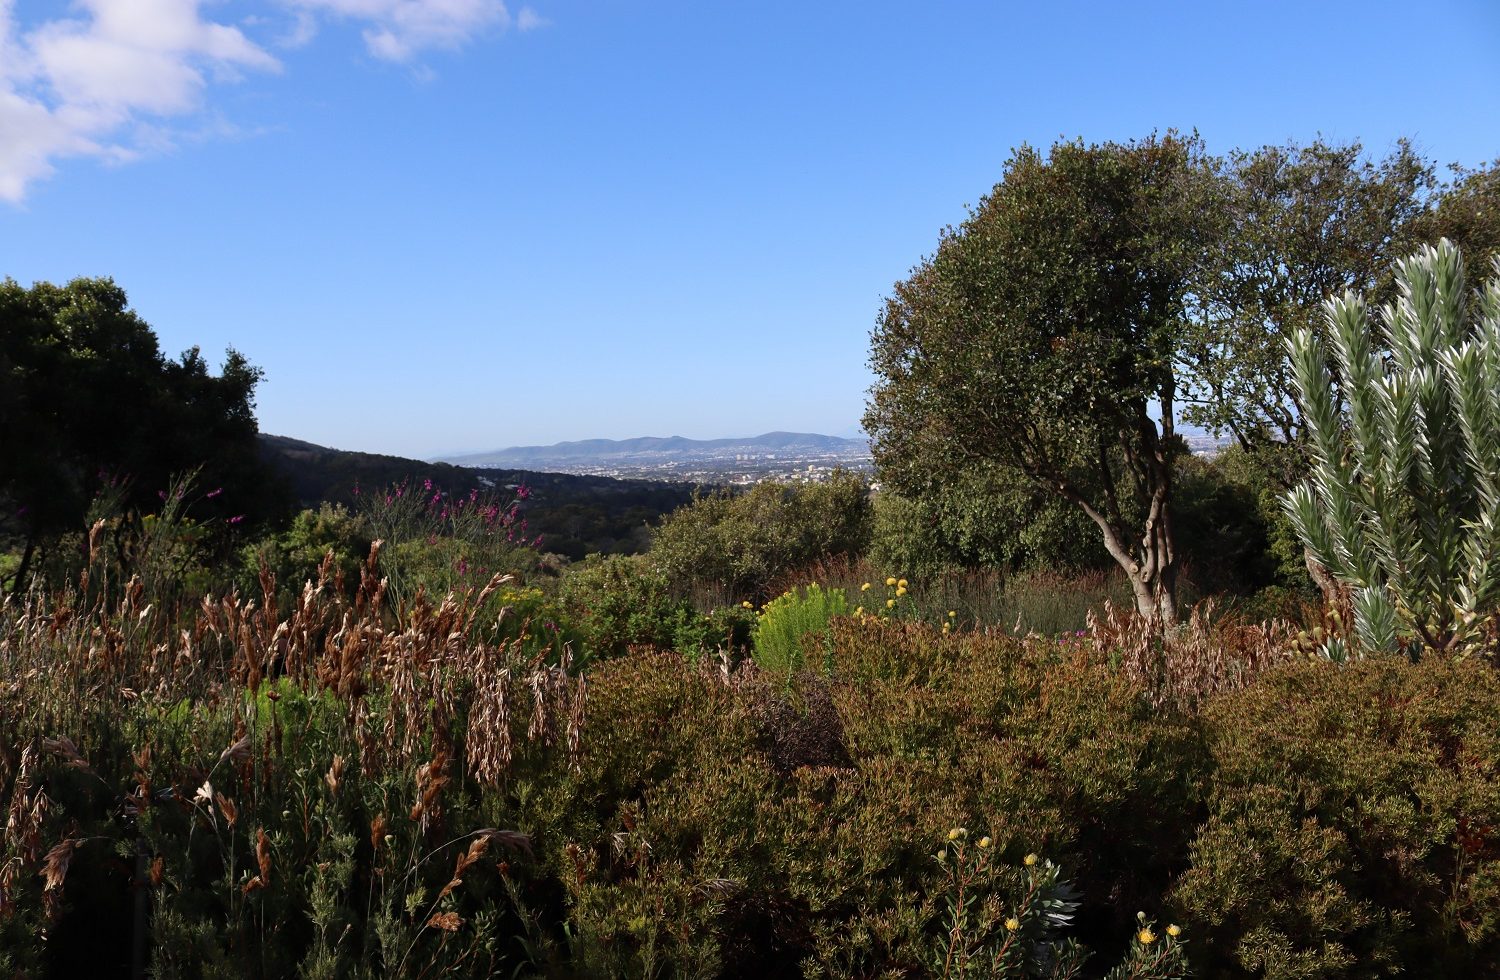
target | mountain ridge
[{"x": 605, "y": 449}]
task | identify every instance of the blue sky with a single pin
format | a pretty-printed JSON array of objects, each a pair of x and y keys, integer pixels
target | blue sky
[{"x": 442, "y": 225}]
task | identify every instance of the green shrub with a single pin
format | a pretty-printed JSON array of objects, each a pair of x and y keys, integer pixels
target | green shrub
[
  {"x": 725, "y": 547},
  {"x": 615, "y": 602},
  {"x": 296, "y": 554},
  {"x": 1352, "y": 826},
  {"x": 981, "y": 516},
  {"x": 788, "y": 621}
]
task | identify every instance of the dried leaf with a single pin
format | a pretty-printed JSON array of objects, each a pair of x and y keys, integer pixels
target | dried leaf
[{"x": 447, "y": 921}]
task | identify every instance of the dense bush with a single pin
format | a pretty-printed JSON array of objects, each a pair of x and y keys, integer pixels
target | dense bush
[
  {"x": 1352, "y": 827},
  {"x": 981, "y": 516},
  {"x": 730, "y": 547},
  {"x": 356, "y": 791},
  {"x": 295, "y": 555}
]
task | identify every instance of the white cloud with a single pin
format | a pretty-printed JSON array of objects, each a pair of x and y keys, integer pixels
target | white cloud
[
  {"x": 397, "y": 29},
  {"x": 83, "y": 85},
  {"x": 116, "y": 79}
]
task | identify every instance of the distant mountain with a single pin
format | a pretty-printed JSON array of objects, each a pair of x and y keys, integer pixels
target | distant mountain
[{"x": 616, "y": 451}]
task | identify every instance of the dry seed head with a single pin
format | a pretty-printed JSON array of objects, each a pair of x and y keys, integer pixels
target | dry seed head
[
  {"x": 63, "y": 748},
  {"x": 56, "y": 867}
]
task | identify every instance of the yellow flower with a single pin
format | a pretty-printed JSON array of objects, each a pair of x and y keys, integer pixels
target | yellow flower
[
  {"x": 890, "y": 603},
  {"x": 891, "y": 580},
  {"x": 951, "y": 614},
  {"x": 1174, "y": 931},
  {"x": 984, "y": 842},
  {"x": 747, "y": 604},
  {"x": 945, "y": 627},
  {"x": 1146, "y": 936},
  {"x": 956, "y": 833},
  {"x": 859, "y": 610},
  {"x": 1012, "y": 924},
  {"x": 901, "y": 582},
  {"x": 901, "y": 590},
  {"x": 865, "y": 587},
  {"x": 942, "y": 855},
  {"x": 1030, "y": 860}
]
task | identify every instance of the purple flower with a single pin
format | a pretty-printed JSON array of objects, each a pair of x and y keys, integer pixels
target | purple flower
[
  {"x": 236, "y": 518},
  {"x": 426, "y": 484},
  {"x": 214, "y": 493},
  {"x": 522, "y": 492},
  {"x": 162, "y": 494}
]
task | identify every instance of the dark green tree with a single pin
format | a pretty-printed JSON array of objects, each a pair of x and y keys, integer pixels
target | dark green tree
[
  {"x": 87, "y": 399},
  {"x": 1466, "y": 211},
  {"x": 1300, "y": 224},
  {"x": 1042, "y": 336}
]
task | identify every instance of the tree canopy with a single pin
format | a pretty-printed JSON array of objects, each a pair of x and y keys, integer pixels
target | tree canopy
[
  {"x": 87, "y": 400},
  {"x": 1042, "y": 336}
]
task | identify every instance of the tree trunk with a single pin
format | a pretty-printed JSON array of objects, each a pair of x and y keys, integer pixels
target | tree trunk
[
  {"x": 1152, "y": 576},
  {"x": 19, "y": 585}
]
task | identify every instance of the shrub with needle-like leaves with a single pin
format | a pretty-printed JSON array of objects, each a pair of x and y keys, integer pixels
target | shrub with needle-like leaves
[{"x": 1403, "y": 501}]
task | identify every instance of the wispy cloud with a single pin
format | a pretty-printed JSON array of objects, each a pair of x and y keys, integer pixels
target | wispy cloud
[
  {"x": 119, "y": 79},
  {"x": 397, "y": 30},
  {"x": 529, "y": 20},
  {"x": 86, "y": 85}
]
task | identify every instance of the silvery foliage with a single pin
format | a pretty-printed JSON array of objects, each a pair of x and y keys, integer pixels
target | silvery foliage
[{"x": 1403, "y": 500}]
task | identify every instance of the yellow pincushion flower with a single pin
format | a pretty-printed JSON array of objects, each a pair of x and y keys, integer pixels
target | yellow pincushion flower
[
  {"x": 901, "y": 583},
  {"x": 1174, "y": 931},
  {"x": 984, "y": 842},
  {"x": 890, "y": 603},
  {"x": 1030, "y": 860},
  {"x": 1012, "y": 924},
  {"x": 956, "y": 833},
  {"x": 865, "y": 587},
  {"x": 1146, "y": 936},
  {"x": 901, "y": 590},
  {"x": 951, "y": 614},
  {"x": 891, "y": 580},
  {"x": 747, "y": 604}
]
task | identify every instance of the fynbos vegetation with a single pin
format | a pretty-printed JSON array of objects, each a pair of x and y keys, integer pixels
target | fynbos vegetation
[{"x": 1055, "y": 699}]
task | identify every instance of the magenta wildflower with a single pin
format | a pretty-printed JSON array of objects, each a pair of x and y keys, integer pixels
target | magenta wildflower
[
  {"x": 237, "y": 518},
  {"x": 522, "y": 492},
  {"x": 214, "y": 493}
]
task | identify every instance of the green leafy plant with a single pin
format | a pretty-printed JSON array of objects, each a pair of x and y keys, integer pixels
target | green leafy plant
[
  {"x": 787, "y": 619},
  {"x": 1403, "y": 501},
  {"x": 990, "y": 933}
]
